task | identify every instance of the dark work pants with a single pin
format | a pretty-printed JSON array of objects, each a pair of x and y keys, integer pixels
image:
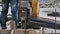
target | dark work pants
[{"x": 14, "y": 11}]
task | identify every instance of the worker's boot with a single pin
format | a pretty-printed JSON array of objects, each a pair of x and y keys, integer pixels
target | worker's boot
[{"x": 3, "y": 26}]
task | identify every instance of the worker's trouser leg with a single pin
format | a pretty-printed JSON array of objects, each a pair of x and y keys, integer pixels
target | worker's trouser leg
[
  {"x": 4, "y": 12},
  {"x": 5, "y": 6},
  {"x": 14, "y": 11}
]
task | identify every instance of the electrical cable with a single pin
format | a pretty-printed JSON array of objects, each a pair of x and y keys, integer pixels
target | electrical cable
[{"x": 55, "y": 20}]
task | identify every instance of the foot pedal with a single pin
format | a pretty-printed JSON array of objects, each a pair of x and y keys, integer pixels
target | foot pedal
[{"x": 4, "y": 31}]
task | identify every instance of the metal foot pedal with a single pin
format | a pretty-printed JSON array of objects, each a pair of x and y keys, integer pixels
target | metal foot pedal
[{"x": 4, "y": 31}]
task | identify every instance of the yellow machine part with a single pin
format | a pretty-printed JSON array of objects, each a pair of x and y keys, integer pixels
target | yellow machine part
[{"x": 34, "y": 8}]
